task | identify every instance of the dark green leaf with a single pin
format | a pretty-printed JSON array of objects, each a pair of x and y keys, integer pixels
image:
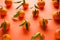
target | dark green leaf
[
  {"x": 43, "y": 24},
  {"x": 19, "y": 5},
  {"x": 36, "y": 35},
  {"x": 18, "y": 2},
  {"x": 34, "y": 13},
  {"x": 26, "y": 25},
  {"x": 4, "y": 26},
  {"x": 17, "y": 14},
  {"x": 22, "y": 23},
  {"x": 36, "y": 7}
]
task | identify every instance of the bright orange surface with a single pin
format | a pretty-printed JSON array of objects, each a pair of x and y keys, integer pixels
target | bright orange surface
[{"x": 18, "y": 34}]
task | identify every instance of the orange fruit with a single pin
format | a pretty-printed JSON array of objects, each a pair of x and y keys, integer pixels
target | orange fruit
[
  {"x": 56, "y": 4},
  {"x": 56, "y": 16},
  {"x": 57, "y": 34},
  {"x": 22, "y": 14},
  {"x": 37, "y": 13},
  {"x": 8, "y": 3},
  {"x": 24, "y": 27},
  {"x": 7, "y": 26},
  {"x": 3, "y": 12},
  {"x": 41, "y": 4},
  {"x": 45, "y": 23},
  {"x": 25, "y": 6},
  {"x": 6, "y": 37},
  {"x": 38, "y": 37}
]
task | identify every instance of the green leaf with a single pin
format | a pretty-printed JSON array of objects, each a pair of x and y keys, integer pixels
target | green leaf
[
  {"x": 4, "y": 26},
  {"x": 16, "y": 15},
  {"x": 22, "y": 23},
  {"x": 43, "y": 24},
  {"x": 18, "y": 2},
  {"x": 36, "y": 7},
  {"x": 19, "y": 5},
  {"x": 34, "y": 13},
  {"x": 36, "y": 35},
  {"x": 26, "y": 25},
  {"x": 41, "y": 38}
]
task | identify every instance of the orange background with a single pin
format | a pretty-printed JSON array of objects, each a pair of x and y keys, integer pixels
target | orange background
[{"x": 18, "y": 34}]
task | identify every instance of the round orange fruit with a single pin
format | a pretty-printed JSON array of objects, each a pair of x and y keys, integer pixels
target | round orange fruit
[
  {"x": 56, "y": 16},
  {"x": 3, "y": 12},
  {"x": 22, "y": 14},
  {"x": 43, "y": 23},
  {"x": 8, "y": 3},
  {"x": 6, "y": 37},
  {"x": 56, "y": 3},
  {"x": 7, "y": 26},
  {"x": 24, "y": 26},
  {"x": 41, "y": 4},
  {"x": 35, "y": 13},
  {"x": 25, "y": 6}
]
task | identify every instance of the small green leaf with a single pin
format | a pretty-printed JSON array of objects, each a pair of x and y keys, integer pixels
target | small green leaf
[
  {"x": 4, "y": 26},
  {"x": 22, "y": 23},
  {"x": 36, "y": 35},
  {"x": 19, "y": 5},
  {"x": 36, "y": 7},
  {"x": 17, "y": 14},
  {"x": 34, "y": 13},
  {"x": 43, "y": 24},
  {"x": 18, "y": 2},
  {"x": 26, "y": 25},
  {"x": 41, "y": 38}
]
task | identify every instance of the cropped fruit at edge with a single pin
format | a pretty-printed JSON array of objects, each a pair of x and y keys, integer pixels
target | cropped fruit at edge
[
  {"x": 8, "y": 3},
  {"x": 6, "y": 37}
]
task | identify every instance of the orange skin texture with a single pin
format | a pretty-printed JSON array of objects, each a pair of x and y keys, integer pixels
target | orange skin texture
[
  {"x": 3, "y": 12},
  {"x": 7, "y": 26},
  {"x": 41, "y": 4},
  {"x": 45, "y": 20},
  {"x": 6, "y": 37},
  {"x": 22, "y": 14},
  {"x": 25, "y": 6},
  {"x": 24, "y": 27},
  {"x": 37, "y": 13},
  {"x": 56, "y": 17},
  {"x": 57, "y": 34},
  {"x": 56, "y": 4},
  {"x": 8, "y": 3}
]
